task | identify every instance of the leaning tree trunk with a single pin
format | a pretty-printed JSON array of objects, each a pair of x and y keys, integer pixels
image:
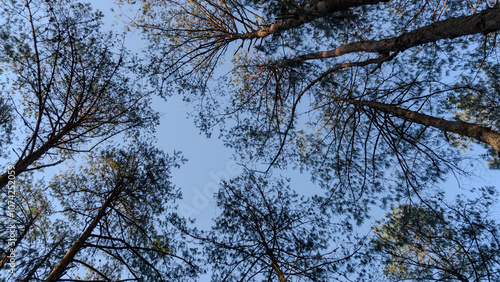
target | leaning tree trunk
[
  {"x": 308, "y": 14},
  {"x": 61, "y": 267},
  {"x": 484, "y": 22},
  {"x": 481, "y": 133},
  {"x": 33, "y": 156}
]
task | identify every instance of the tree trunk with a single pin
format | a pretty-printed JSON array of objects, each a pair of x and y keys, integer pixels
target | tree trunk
[
  {"x": 481, "y": 133},
  {"x": 269, "y": 252},
  {"x": 484, "y": 22},
  {"x": 22, "y": 164},
  {"x": 319, "y": 10},
  {"x": 59, "y": 269}
]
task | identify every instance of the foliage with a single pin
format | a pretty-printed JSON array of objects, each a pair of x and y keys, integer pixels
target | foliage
[
  {"x": 266, "y": 232},
  {"x": 134, "y": 237},
  {"x": 39, "y": 236},
  {"x": 67, "y": 88},
  {"x": 377, "y": 99},
  {"x": 436, "y": 241},
  {"x": 115, "y": 215},
  {"x": 360, "y": 93}
]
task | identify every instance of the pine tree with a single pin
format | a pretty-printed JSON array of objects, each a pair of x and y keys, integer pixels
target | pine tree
[{"x": 70, "y": 83}]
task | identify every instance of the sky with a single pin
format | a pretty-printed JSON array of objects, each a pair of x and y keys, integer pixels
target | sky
[{"x": 207, "y": 158}]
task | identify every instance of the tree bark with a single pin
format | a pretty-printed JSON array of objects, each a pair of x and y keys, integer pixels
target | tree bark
[
  {"x": 481, "y": 133},
  {"x": 269, "y": 252},
  {"x": 484, "y": 22},
  {"x": 319, "y": 10},
  {"x": 23, "y": 164}
]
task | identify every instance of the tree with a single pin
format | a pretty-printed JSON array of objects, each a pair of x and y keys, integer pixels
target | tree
[
  {"x": 438, "y": 241},
  {"x": 120, "y": 206},
  {"x": 368, "y": 95},
  {"x": 71, "y": 84},
  {"x": 266, "y": 232}
]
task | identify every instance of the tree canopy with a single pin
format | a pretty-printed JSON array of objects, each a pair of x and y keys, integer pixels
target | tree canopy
[
  {"x": 380, "y": 101},
  {"x": 437, "y": 241},
  {"x": 266, "y": 231},
  {"x": 69, "y": 83},
  {"x": 67, "y": 88},
  {"x": 124, "y": 198},
  {"x": 370, "y": 96}
]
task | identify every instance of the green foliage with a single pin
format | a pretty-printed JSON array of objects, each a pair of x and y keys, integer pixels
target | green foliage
[
  {"x": 266, "y": 232},
  {"x": 322, "y": 89},
  {"x": 477, "y": 100},
  {"x": 437, "y": 241},
  {"x": 285, "y": 103},
  {"x": 68, "y": 87},
  {"x": 337, "y": 88},
  {"x": 40, "y": 238}
]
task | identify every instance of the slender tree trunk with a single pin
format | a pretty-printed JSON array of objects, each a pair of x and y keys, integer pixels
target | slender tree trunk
[
  {"x": 484, "y": 22},
  {"x": 275, "y": 265},
  {"x": 269, "y": 252},
  {"x": 24, "y": 163},
  {"x": 319, "y": 10},
  {"x": 59, "y": 269},
  {"x": 481, "y": 133}
]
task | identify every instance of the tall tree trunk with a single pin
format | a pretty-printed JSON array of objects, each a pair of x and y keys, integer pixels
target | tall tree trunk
[
  {"x": 22, "y": 164},
  {"x": 319, "y": 10},
  {"x": 484, "y": 22},
  {"x": 59, "y": 269},
  {"x": 274, "y": 261},
  {"x": 481, "y": 133}
]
